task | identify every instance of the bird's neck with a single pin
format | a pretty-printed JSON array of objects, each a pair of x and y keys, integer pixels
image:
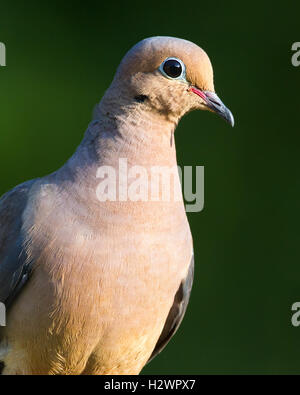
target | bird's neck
[
  {"x": 129, "y": 131},
  {"x": 129, "y": 137}
]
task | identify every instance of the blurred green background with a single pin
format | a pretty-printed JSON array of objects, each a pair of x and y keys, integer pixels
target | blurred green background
[{"x": 62, "y": 57}]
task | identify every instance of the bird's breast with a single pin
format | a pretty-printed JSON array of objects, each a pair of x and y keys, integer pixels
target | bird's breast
[{"x": 107, "y": 280}]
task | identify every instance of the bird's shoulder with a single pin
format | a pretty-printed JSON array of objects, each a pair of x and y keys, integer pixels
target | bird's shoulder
[{"x": 12, "y": 206}]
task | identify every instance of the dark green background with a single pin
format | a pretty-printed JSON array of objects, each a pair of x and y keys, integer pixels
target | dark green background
[{"x": 62, "y": 57}]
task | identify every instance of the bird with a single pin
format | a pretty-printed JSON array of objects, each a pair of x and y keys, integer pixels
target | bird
[{"x": 99, "y": 287}]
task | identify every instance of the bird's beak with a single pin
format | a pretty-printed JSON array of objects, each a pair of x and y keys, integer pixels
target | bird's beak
[{"x": 214, "y": 103}]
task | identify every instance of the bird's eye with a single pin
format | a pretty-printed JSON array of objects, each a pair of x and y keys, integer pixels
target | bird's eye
[{"x": 173, "y": 68}]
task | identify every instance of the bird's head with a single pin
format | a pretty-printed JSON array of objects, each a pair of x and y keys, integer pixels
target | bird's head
[{"x": 170, "y": 76}]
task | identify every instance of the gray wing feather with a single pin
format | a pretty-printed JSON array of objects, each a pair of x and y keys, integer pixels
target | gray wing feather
[
  {"x": 14, "y": 267},
  {"x": 177, "y": 312}
]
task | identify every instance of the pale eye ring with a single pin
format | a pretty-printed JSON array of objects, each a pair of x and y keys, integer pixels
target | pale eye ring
[{"x": 173, "y": 68}]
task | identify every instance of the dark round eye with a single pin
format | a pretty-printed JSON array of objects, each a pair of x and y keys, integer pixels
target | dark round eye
[{"x": 172, "y": 68}]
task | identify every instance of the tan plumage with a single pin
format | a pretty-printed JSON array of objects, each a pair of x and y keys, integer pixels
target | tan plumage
[{"x": 104, "y": 275}]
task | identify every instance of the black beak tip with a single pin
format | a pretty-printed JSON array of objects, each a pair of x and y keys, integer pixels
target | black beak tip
[{"x": 229, "y": 118}]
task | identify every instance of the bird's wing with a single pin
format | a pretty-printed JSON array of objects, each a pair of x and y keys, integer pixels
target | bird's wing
[
  {"x": 14, "y": 266},
  {"x": 177, "y": 311}
]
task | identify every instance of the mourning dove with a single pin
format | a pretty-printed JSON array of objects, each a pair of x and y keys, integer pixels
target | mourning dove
[{"x": 100, "y": 287}]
